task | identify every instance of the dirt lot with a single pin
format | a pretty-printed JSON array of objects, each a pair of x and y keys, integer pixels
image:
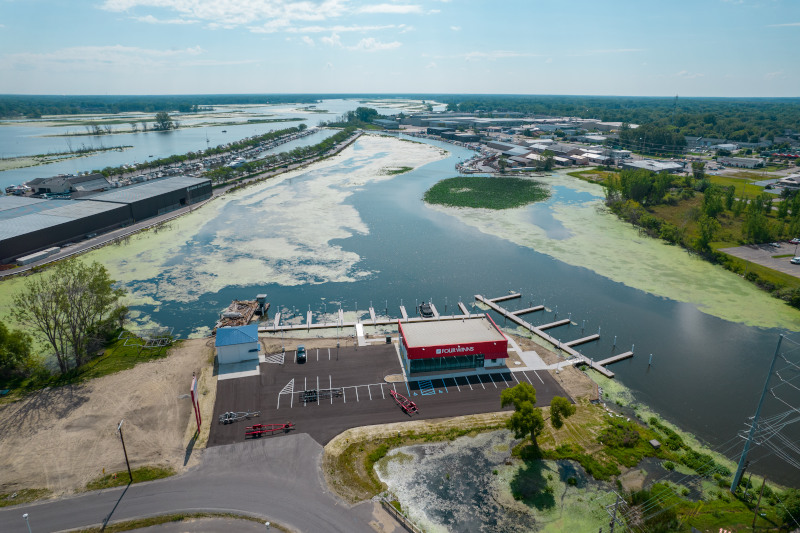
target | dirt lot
[{"x": 62, "y": 438}]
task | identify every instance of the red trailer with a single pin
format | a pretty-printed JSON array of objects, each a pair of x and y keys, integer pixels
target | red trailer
[
  {"x": 405, "y": 404},
  {"x": 260, "y": 430}
]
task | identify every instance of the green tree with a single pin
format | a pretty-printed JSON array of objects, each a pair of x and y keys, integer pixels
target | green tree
[
  {"x": 560, "y": 408},
  {"x": 163, "y": 121},
  {"x": 73, "y": 307},
  {"x": 790, "y": 510},
  {"x": 15, "y": 351},
  {"x": 708, "y": 227},
  {"x": 698, "y": 169},
  {"x": 526, "y": 420}
]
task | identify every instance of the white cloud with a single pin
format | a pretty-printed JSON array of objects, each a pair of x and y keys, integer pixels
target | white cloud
[
  {"x": 333, "y": 40},
  {"x": 496, "y": 54},
  {"x": 785, "y": 25},
  {"x": 394, "y": 9},
  {"x": 773, "y": 75},
  {"x": 150, "y": 19},
  {"x": 370, "y": 44},
  {"x": 431, "y": 65},
  {"x": 233, "y": 13},
  {"x": 308, "y": 40},
  {"x": 107, "y": 57},
  {"x": 341, "y": 29},
  {"x": 455, "y": 28},
  {"x": 689, "y": 75},
  {"x": 328, "y": 66}
]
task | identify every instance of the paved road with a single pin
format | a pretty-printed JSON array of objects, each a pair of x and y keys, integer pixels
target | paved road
[{"x": 279, "y": 479}]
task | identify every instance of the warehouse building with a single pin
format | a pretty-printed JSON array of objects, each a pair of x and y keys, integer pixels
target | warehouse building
[
  {"x": 28, "y": 224},
  {"x": 445, "y": 346},
  {"x": 157, "y": 197}
]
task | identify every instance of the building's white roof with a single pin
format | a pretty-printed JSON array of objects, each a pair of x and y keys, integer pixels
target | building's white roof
[{"x": 442, "y": 332}]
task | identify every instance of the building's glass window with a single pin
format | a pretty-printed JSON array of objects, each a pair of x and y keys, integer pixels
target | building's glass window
[{"x": 440, "y": 364}]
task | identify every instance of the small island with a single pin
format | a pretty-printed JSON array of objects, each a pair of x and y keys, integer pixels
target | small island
[{"x": 487, "y": 193}]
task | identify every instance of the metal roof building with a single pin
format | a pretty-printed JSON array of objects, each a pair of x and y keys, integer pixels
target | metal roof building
[
  {"x": 157, "y": 197},
  {"x": 46, "y": 223},
  {"x": 452, "y": 345},
  {"x": 28, "y": 225}
]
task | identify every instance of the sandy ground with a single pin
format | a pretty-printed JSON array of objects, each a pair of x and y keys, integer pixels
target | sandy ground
[{"x": 62, "y": 438}]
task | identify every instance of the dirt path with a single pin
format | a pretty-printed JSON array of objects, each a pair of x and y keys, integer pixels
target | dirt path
[{"x": 62, "y": 438}]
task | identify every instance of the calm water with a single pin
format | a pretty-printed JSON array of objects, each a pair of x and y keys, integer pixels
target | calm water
[
  {"x": 707, "y": 372},
  {"x": 33, "y": 140}
]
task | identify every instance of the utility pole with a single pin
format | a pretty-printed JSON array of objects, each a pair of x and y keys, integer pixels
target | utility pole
[
  {"x": 613, "y": 514},
  {"x": 743, "y": 459},
  {"x": 119, "y": 430},
  {"x": 755, "y": 512}
]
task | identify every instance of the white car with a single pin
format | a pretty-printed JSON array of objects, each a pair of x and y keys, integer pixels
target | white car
[{"x": 795, "y": 260}]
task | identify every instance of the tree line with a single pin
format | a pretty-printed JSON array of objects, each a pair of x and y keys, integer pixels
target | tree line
[
  {"x": 735, "y": 119},
  {"x": 719, "y": 215}
]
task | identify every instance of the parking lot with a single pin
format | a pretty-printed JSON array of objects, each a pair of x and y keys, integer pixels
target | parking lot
[
  {"x": 762, "y": 254},
  {"x": 350, "y": 390}
]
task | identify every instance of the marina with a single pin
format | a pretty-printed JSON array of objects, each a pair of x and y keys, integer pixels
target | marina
[{"x": 574, "y": 356}]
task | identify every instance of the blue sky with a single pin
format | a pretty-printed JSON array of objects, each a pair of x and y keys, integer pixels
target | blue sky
[{"x": 642, "y": 47}]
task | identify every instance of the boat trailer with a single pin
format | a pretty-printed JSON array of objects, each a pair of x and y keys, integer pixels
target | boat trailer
[
  {"x": 231, "y": 417},
  {"x": 259, "y": 430},
  {"x": 405, "y": 404}
]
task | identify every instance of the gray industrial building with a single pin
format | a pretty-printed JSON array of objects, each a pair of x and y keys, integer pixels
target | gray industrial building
[
  {"x": 28, "y": 225},
  {"x": 157, "y": 197},
  {"x": 38, "y": 224}
]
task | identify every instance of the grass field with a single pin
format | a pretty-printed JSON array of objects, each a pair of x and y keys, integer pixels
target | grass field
[
  {"x": 487, "y": 193},
  {"x": 742, "y": 184}
]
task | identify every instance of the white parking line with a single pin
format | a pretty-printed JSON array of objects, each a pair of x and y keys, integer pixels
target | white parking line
[
  {"x": 540, "y": 379},
  {"x": 382, "y": 394},
  {"x": 493, "y": 383},
  {"x": 526, "y": 377},
  {"x": 305, "y": 388},
  {"x": 515, "y": 377},
  {"x": 356, "y": 387},
  {"x": 394, "y": 387},
  {"x": 317, "y": 355},
  {"x": 344, "y": 395},
  {"x": 481, "y": 382},
  {"x": 329, "y": 354},
  {"x": 370, "y": 393},
  {"x": 468, "y": 383},
  {"x": 317, "y": 381},
  {"x": 456, "y": 382},
  {"x": 330, "y": 386},
  {"x": 506, "y": 382}
]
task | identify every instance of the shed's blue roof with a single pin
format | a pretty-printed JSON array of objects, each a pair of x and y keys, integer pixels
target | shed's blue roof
[{"x": 237, "y": 335}]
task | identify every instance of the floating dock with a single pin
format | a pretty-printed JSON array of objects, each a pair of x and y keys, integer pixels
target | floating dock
[{"x": 577, "y": 357}]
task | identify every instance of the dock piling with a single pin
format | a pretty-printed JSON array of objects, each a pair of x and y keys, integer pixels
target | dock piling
[
  {"x": 615, "y": 340},
  {"x": 650, "y": 362}
]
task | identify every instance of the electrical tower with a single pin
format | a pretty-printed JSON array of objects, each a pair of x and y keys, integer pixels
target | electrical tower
[{"x": 780, "y": 388}]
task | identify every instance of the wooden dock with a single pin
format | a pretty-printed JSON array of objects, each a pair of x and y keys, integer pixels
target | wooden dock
[
  {"x": 276, "y": 326},
  {"x": 528, "y": 310},
  {"x": 577, "y": 357},
  {"x": 509, "y": 296},
  {"x": 463, "y": 308}
]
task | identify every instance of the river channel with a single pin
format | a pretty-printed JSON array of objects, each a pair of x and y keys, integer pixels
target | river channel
[{"x": 347, "y": 232}]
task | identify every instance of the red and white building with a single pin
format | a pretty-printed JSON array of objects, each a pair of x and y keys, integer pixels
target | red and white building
[{"x": 445, "y": 346}]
